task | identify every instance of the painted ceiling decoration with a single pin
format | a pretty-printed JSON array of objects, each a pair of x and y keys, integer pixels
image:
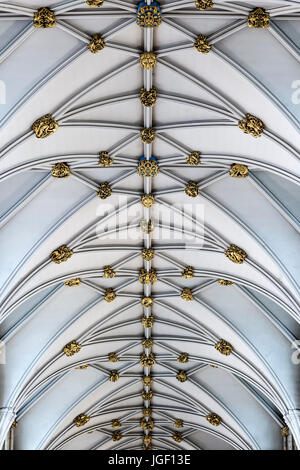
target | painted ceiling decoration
[{"x": 149, "y": 225}]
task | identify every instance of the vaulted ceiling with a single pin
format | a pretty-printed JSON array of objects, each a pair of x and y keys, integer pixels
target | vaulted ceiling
[{"x": 148, "y": 272}]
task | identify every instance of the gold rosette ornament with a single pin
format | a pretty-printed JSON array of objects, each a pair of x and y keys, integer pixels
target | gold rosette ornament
[
  {"x": 192, "y": 189},
  {"x": 115, "y": 423},
  {"x": 186, "y": 294},
  {"x": 61, "y": 254},
  {"x": 201, "y": 44},
  {"x": 148, "y": 277},
  {"x": 108, "y": 272},
  {"x": 147, "y": 412},
  {"x": 44, "y": 18},
  {"x": 73, "y": 282},
  {"x": 113, "y": 357},
  {"x": 177, "y": 436},
  {"x": 94, "y": 3},
  {"x": 147, "y": 381},
  {"x": 224, "y": 347},
  {"x": 96, "y": 43},
  {"x": 147, "y": 200},
  {"x": 147, "y": 425},
  {"x": 104, "y": 190},
  {"x": 148, "y": 60},
  {"x": 72, "y": 348},
  {"x": 147, "y": 135},
  {"x": 225, "y": 282},
  {"x": 147, "y": 396},
  {"x": 147, "y": 343},
  {"x": 236, "y": 254},
  {"x": 44, "y": 126},
  {"x": 148, "y": 16},
  {"x": 148, "y": 322},
  {"x": 251, "y": 125},
  {"x": 183, "y": 358},
  {"x": 193, "y": 159},
  {"x": 259, "y": 18},
  {"x": 117, "y": 436},
  {"x": 114, "y": 376},
  {"x": 81, "y": 420},
  {"x": 204, "y": 4},
  {"x": 147, "y": 361},
  {"x": 148, "y": 98},
  {"x": 105, "y": 160},
  {"x": 178, "y": 423},
  {"x": 238, "y": 170},
  {"x": 147, "y": 302},
  {"x": 214, "y": 419},
  {"x": 188, "y": 272},
  {"x": 147, "y": 254},
  {"x": 61, "y": 170},
  {"x": 181, "y": 376},
  {"x": 109, "y": 295}
]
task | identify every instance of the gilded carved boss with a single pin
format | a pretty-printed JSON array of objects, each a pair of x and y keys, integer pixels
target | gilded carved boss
[
  {"x": 238, "y": 170},
  {"x": 104, "y": 190},
  {"x": 148, "y": 98},
  {"x": 192, "y": 189},
  {"x": 148, "y": 16},
  {"x": 72, "y": 348},
  {"x": 73, "y": 282},
  {"x": 148, "y": 322},
  {"x": 44, "y": 126},
  {"x": 81, "y": 420},
  {"x": 214, "y": 419},
  {"x": 148, "y": 277},
  {"x": 186, "y": 294},
  {"x": 108, "y": 272},
  {"x": 224, "y": 347},
  {"x": 61, "y": 254},
  {"x": 251, "y": 125},
  {"x": 188, "y": 272},
  {"x": 236, "y": 254},
  {"x": 147, "y": 254},
  {"x": 259, "y": 18},
  {"x": 105, "y": 159},
  {"x": 147, "y": 381},
  {"x": 44, "y": 18},
  {"x": 61, "y": 170},
  {"x": 193, "y": 159},
  {"x": 147, "y": 135},
  {"x": 96, "y": 43},
  {"x": 148, "y": 200},
  {"x": 94, "y": 3},
  {"x": 148, "y": 60},
  {"x": 147, "y": 168},
  {"x": 201, "y": 44},
  {"x": 204, "y": 4}
]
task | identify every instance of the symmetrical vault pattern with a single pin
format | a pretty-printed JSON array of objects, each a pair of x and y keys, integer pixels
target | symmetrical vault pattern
[{"x": 149, "y": 228}]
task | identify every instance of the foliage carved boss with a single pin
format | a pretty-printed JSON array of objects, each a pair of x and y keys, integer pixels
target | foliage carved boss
[{"x": 148, "y": 16}]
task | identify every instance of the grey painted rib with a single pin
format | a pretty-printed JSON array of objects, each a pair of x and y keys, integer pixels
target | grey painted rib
[
  {"x": 40, "y": 84},
  {"x": 24, "y": 200},
  {"x": 285, "y": 41},
  {"x": 255, "y": 82},
  {"x": 16, "y": 42},
  {"x": 279, "y": 206},
  {"x": 60, "y": 112},
  {"x": 180, "y": 71}
]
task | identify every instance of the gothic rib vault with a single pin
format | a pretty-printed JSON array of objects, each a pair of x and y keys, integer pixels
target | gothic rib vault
[{"x": 122, "y": 328}]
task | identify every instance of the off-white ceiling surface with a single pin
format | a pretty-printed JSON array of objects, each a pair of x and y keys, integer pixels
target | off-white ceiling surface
[{"x": 254, "y": 387}]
